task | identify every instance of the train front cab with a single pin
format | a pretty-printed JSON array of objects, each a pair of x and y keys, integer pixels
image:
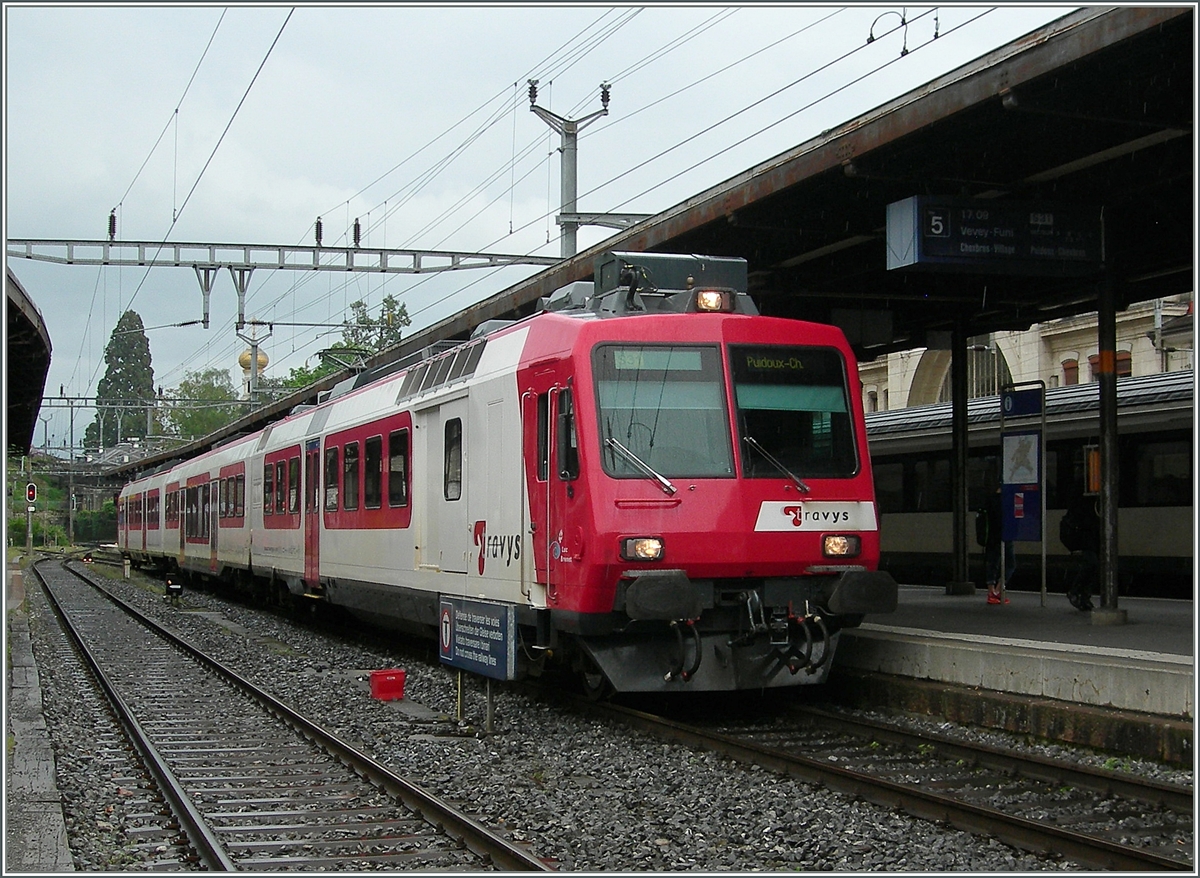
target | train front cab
[{"x": 674, "y": 557}]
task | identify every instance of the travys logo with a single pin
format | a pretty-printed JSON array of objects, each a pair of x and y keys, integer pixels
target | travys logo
[
  {"x": 498, "y": 546},
  {"x": 817, "y": 515},
  {"x": 825, "y": 516}
]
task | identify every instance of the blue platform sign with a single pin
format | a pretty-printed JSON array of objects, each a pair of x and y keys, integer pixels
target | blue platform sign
[
  {"x": 1020, "y": 489},
  {"x": 478, "y": 636},
  {"x": 1021, "y": 403}
]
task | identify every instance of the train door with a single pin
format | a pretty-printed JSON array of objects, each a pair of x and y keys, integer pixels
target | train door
[
  {"x": 212, "y": 516},
  {"x": 312, "y": 513},
  {"x": 142, "y": 517},
  {"x": 550, "y": 431},
  {"x": 181, "y": 500},
  {"x": 447, "y": 539}
]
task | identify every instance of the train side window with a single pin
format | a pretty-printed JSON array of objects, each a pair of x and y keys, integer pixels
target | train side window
[
  {"x": 268, "y": 489},
  {"x": 373, "y": 473},
  {"x": 312, "y": 485},
  {"x": 543, "y": 435},
  {"x": 280, "y": 487},
  {"x": 293, "y": 485},
  {"x": 931, "y": 486},
  {"x": 240, "y": 495},
  {"x": 1164, "y": 473},
  {"x": 568, "y": 444},
  {"x": 332, "y": 471},
  {"x": 398, "y": 468},
  {"x": 350, "y": 477},
  {"x": 983, "y": 474},
  {"x": 889, "y": 486},
  {"x": 452, "y": 470}
]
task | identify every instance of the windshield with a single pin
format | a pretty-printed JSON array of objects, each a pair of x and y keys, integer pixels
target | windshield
[
  {"x": 666, "y": 405},
  {"x": 792, "y": 402}
]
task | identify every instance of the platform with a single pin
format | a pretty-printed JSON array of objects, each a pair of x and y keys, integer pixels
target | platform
[
  {"x": 1050, "y": 658},
  {"x": 35, "y": 830}
]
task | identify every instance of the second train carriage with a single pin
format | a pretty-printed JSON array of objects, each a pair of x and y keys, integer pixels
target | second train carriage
[
  {"x": 673, "y": 491},
  {"x": 911, "y": 455}
]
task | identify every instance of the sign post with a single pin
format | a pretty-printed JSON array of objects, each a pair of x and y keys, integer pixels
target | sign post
[
  {"x": 481, "y": 637},
  {"x": 1023, "y": 470}
]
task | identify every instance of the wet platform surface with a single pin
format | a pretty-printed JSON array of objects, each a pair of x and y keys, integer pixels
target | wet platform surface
[{"x": 1044, "y": 650}]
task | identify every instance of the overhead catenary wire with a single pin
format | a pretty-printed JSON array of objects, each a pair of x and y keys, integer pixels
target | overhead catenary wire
[
  {"x": 549, "y": 213},
  {"x": 750, "y": 136},
  {"x": 558, "y": 56},
  {"x": 217, "y": 146},
  {"x": 729, "y": 118},
  {"x": 173, "y": 118},
  {"x": 568, "y": 54},
  {"x": 460, "y": 289}
]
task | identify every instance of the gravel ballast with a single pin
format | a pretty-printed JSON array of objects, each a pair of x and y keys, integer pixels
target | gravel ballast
[{"x": 588, "y": 795}]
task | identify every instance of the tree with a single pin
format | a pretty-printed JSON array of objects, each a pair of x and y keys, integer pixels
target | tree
[
  {"x": 301, "y": 376},
  {"x": 375, "y": 334},
  {"x": 221, "y": 405},
  {"x": 126, "y": 392},
  {"x": 362, "y": 334}
]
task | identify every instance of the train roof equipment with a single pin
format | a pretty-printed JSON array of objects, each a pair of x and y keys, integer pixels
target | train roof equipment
[{"x": 645, "y": 283}]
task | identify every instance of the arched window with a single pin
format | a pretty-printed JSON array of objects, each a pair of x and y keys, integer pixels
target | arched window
[
  {"x": 1070, "y": 370},
  {"x": 1124, "y": 364}
]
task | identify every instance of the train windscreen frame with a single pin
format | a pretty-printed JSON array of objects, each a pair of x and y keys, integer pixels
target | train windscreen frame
[
  {"x": 793, "y": 401},
  {"x": 666, "y": 405}
]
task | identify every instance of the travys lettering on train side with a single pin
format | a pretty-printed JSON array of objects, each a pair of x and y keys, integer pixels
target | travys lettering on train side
[
  {"x": 506, "y": 547},
  {"x": 799, "y": 514}
]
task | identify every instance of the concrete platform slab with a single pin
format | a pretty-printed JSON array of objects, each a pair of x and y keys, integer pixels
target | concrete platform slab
[{"x": 1040, "y": 650}]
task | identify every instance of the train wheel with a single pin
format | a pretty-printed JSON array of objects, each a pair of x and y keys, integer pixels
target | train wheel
[{"x": 592, "y": 680}]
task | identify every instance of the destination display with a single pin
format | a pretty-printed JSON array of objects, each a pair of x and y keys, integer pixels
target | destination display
[
  {"x": 478, "y": 636},
  {"x": 993, "y": 237}
]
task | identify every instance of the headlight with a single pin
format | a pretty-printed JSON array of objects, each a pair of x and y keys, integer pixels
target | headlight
[
  {"x": 642, "y": 549},
  {"x": 841, "y": 546},
  {"x": 713, "y": 300}
]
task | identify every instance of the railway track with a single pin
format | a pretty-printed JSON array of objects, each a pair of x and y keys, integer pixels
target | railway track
[
  {"x": 1099, "y": 818},
  {"x": 254, "y": 785}
]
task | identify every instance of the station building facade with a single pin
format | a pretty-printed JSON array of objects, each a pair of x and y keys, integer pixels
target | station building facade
[{"x": 1152, "y": 337}]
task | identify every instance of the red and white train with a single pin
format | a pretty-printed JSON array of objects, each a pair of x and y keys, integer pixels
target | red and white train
[{"x": 672, "y": 492}]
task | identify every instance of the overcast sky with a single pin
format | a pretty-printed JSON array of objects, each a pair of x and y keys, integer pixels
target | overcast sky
[{"x": 216, "y": 124}]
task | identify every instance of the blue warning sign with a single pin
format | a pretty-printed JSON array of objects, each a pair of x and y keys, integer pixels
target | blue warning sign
[{"x": 478, "y": 636}]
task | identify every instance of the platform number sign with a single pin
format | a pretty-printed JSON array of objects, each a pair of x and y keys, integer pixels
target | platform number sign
[{"x": 937, "y": 222}]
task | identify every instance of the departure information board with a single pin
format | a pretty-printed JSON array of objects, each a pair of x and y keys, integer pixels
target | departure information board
[{"x": 997, "y": 237}]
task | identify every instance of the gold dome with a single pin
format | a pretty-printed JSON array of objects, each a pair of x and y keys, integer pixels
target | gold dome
[{"x": 244, "y": 360}]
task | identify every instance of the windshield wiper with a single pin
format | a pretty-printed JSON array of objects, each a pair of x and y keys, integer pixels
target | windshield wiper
[
  {"x": 771, "y": 459},
  {"x": 646, "y": 469}
]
